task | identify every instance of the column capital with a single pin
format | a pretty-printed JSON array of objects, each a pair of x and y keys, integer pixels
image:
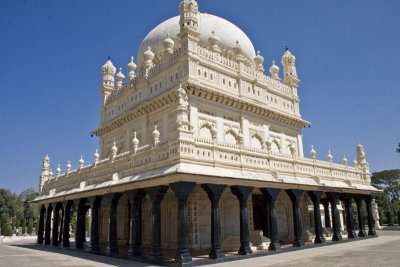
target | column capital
[
  {"x": 157, "y": 193},
  {"x": 182, "y": 190},
  {"x": 213, "y": 190},
  {"x": 135, "y": 194},
  {"x": 294, "y": 194},
  {"x": 271, "y": 193},
  {"x": 242, "y": 192},
  {"x": 315, "y": 195}
]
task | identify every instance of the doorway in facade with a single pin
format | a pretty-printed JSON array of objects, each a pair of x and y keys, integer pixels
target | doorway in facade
[{"x": 260, "y": 214}]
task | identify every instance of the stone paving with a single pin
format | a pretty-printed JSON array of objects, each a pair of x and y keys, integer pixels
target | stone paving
[{"x": 382, "y": 251}]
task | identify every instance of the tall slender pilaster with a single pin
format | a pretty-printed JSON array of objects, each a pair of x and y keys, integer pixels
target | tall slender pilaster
[
  {"x": 112, "y": 200},
  {"x": 348, "y": 199},
  {"x": 295, "y": 196},
  {"x": 214, "y": 193},
  {"x": 325, "y": 203},
  {"x": 67, "y": 219},
  {"x": 156, "y": 194},
  {"x": 316, "y": 199},
  {"x": 242, "y": 193},
  {"x": 370, "y": 218},
  {"x": 80, "y": 223},
  {"x": 270, "y": 195},
  {"x": 135, "y": 199},
  {"x": 94, "y": 233},
  {"x": 56, "y": 221},
  {"x": 360, "y": 216},
  {"x": 42, "y": 215},
  {"x": 334, "y": 198},
  {"x": 47, "y": 234},
  {"x": 182, "y": 191}
]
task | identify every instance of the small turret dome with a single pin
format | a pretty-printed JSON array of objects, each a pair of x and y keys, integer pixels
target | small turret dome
[
  {"x": 168, "y": 45},
  {"x": 108, "y": 67},
  {"x": 131, "y": 65}
]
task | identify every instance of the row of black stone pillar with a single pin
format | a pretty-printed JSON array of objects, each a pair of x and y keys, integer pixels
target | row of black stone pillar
[{"x": 62, "y": 216}]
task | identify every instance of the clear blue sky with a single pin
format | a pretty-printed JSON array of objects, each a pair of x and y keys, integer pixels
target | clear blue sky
[{"x": 51, "y": 53}]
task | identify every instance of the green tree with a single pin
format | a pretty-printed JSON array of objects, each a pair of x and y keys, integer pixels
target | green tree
[{"x": 389, "y": 199}]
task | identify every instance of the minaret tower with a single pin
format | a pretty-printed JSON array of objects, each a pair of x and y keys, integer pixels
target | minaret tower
[
  {"x": 290, "y": 77},
  {"x": 108, "y": 81},
  {"x": 44, "y": 177},
  {"x": 189, "y": 20}
]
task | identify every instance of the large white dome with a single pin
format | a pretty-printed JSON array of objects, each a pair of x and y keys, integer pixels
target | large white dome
[{"x": 228, "y": 34}]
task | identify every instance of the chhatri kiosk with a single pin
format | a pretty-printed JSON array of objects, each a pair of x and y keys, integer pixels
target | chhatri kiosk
[{"x": 199, "y": 150}]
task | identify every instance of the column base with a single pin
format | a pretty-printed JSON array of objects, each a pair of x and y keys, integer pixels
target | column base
[
  {"x": 135, "y": 251},
  {"x": 54, "y": 244},
  {"x": 372, "y": 232},
  {"x": 216, "y": 254},
  {"x": 245, "y": 250},
  {"x": 319, "y": 240},
  {"x": 183, "y": 256},
  {"x": 336, "y": 237},
  {"x": 95, "y": 248},
  {"x": 362, "y": 233},
  {"x": 298, "y": 243},
  {"x": 47, "y": 242},
  {"x": 79, "y": 245},
  {"x": 274, "y": 246},
  {"x": 352, "y": 235},
  {"x": 66, "y": 244},
  {"x": 112, "y": 250}
]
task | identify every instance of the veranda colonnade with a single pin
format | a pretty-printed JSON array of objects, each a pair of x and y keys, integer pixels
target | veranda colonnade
[{"x": 59, "y": 233}]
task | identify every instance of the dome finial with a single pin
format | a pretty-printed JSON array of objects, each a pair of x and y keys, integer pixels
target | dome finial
[{"x": 286, "y": 48}]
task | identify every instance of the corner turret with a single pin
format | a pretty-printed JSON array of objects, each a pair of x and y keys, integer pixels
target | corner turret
[
  {"x": 189, "y": 19},
  {"x": 290, "y": 77},
  {"x": 108, "y": 81}
]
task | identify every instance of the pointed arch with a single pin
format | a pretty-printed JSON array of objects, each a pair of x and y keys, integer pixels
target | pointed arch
[
  {"x": 231, "y": 136},
  {"x": 256, "y": 141},
  {"x": 205, "y": 130}
]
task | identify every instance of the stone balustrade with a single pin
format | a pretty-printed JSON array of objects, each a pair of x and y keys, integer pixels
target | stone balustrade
[{"x": 210, "y": 153}]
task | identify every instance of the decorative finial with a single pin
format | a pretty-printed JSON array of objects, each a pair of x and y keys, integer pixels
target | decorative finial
[
  {"x": 68, "y": 166},
  {"x": 81, "y": 162},
  {"x": 286, "y": 48},
  {"x": 58, "y": 170},
  {"x": 344, "y": 160},
  {"x": 96, "y": 157},
  {"x": 330, "y": 157},
  {"x": 135, "y": 143},
  {"x": 114, "y": 150},
  {"x": 156, "y": 135},
  {"x": 108, "y": 58},
  {"x": 313, "y": 153}
]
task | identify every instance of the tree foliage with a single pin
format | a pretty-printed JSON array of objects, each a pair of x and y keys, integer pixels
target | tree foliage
[
  {"x": 17, "y": 211},
  {"x": 388, "y": 200}
]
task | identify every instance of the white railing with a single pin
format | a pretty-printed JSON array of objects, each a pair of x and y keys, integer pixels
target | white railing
[{"x": 203, "y": 151}]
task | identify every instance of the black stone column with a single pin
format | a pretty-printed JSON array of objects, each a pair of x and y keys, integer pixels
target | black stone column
[
  {"x": 112, "y": 247},
  {"x": 214, "y": 193},
  {"x": 42, "y": 215},
  {"x": 60, "y": 232},
  {"x": 80, "y": 223},
  {"x": 270, "y": 196},
  {"x": 325, "y": 203},
  {"x": 182, "y": 191},
  {"x": 47, "y": 233},
  {"x": 370, "y": 218},
  {"x": 67, "y": 219},
  {"x": 360, "y": 216},
  {"x": 135, "y": 199},
  {"x": 348, "y": 199},
  {"x": 94, "y": 233},
  {"x": 295, "y": 196},
  {"x": 56, "y": 221},
  {"x": 316, "y": 199},
  {"x": 242, "y": 193},
  {"x": 156, "y": 195},
  {"x": 334, "y": 198}
]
